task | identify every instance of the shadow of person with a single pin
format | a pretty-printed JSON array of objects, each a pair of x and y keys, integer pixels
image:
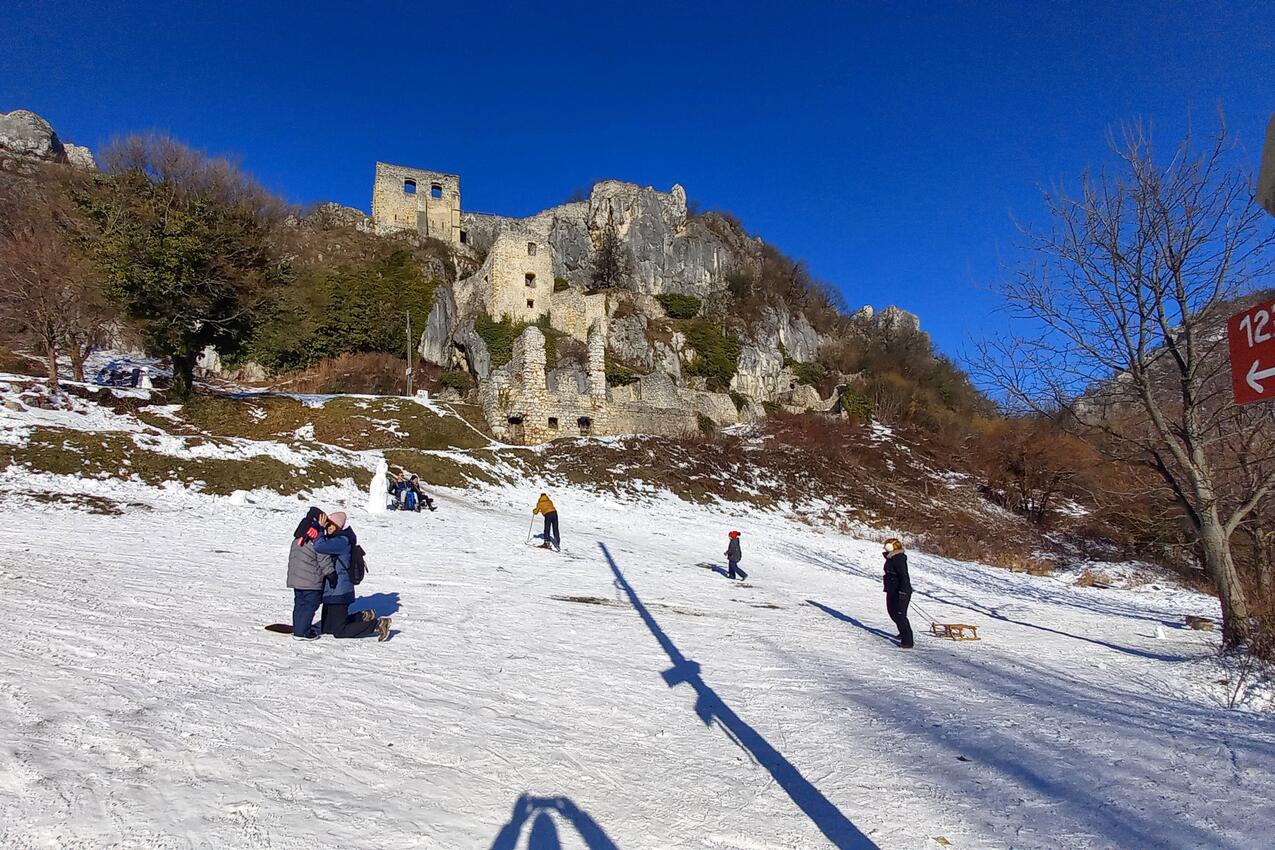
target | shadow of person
[
  {"x": 544, "y": 834},
  {"x": 712, "y": 709},
  {"x": 717, "y": 568},
  {"x": 544, "y": 831},
  {"x": 384, "y": 604},
  {"x": 846, "y": 618}
]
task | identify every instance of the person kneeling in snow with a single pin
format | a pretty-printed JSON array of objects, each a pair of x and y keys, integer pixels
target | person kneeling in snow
[
  {"x": 898, "y": 588},
  {"x": 734, "y": 556},
  {"x": 337, "y": 541},
  {"x": 306, "y": 575}
]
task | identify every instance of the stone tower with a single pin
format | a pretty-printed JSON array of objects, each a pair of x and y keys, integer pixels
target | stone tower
[{"x": 427, "y": 202}]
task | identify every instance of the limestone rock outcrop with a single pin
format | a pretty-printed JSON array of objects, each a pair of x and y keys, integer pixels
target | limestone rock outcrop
[{"x": 26, "y": 138}]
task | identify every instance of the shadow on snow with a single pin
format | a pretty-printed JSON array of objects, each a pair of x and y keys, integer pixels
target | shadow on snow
[
  {"x": 543, "y": 835},
  {"x": 835, "y": 826},
  {"x": 846, "y": 618}
]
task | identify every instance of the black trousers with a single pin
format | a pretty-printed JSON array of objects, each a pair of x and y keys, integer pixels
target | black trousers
[
  {"x": 735, "y": 571},
  {"x": 551, "y": 529},
  {"x": 896, "y": 605},
  {"x": 339, "y": 622}
]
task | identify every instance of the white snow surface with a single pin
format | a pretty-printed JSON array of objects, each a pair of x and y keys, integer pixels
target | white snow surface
[{"x": 143, "y": 706}]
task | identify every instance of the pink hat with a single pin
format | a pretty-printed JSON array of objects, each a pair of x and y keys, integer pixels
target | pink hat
[{"x": 337, "y": 519}]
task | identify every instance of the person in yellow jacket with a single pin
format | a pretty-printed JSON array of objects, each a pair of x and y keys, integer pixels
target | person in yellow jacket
[{"x": 551, "y": 535}]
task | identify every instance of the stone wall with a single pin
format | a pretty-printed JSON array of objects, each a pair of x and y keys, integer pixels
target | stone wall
[
  {"x": 517, "y": 277},
  {"x": 427, "y": 202},
  {"x": 574, "y": 312}
]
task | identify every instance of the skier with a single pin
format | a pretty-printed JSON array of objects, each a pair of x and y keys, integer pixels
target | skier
[
  {"x": 338, "y": 541},
  {"x": 733, "y": 557},
  {"x": 898, "y": 588},
  {"x": 306, "y": 575},
  {"x": 552, "y": 537}
]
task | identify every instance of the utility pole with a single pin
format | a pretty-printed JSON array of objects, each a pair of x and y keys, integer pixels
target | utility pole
[{"x": 409, "y": 352}]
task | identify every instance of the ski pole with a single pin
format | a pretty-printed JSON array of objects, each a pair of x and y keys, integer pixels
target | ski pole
[{"x": 530, "y": 527}]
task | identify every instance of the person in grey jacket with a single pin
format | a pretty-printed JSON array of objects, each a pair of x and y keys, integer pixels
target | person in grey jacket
[
  {"x": 307, "y": 573},
  {"x": 734, "y": 556}
]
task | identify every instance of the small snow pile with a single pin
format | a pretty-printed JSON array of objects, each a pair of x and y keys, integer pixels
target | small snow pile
[{"x": 377, "y": 494}]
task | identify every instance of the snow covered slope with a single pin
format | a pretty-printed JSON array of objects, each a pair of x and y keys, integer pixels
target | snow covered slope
[{"x": 620, "y": 695}]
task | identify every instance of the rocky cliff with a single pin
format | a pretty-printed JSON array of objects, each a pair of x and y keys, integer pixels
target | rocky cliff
[{"x": 27, "y": 139}]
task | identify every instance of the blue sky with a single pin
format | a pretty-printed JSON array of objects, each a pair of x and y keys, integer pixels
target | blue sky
[{"x": 887, "y": 144}]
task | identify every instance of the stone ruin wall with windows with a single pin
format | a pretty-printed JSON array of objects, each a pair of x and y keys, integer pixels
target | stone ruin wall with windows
[
  {"x": 413, "y": 199},
  {"x": 513, "y": 268},
  {"x": 524, "y": 406}
]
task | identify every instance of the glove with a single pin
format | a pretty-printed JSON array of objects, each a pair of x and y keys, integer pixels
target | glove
[
  {"x": 331, "y": 580},
  {"x": 312, "y": 532}
]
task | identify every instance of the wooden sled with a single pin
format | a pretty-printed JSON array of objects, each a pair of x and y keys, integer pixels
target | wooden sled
[{"x": 954, "y": 631}]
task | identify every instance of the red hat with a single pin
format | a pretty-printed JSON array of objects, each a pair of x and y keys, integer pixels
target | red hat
[{"x": 734, "y": 534}]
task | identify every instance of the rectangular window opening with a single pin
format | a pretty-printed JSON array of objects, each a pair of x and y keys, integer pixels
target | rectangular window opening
[
  {"x": 531, "y": 304},
  {"x": 553, "y": 423},
  {"x": 531, "y": 280}
]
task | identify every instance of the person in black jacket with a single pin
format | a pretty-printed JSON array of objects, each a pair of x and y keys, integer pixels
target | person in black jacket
[
  {"x": 734, "y": 556},
  {"x": 898, "y": 588}
]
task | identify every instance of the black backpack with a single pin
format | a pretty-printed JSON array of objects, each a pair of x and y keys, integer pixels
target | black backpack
[{"x": 358, "y": 564}]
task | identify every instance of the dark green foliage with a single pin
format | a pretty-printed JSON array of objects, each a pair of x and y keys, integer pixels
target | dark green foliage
[
  {"x": 183, "y": 244},
  {"x": 740, "y": 400},
  {"x": 717, "y": 354},
  {"x": 552, "y": 338},
  {"x": 770, "y": 407},
  {"x": 499, "y": 337},
  {"x": 679, "y": 306},
  {"x": 561, "y": 284},
  {"x": 707, "y": 426},
  {"x": 856, "y": 404},
  {"x": 359, "y": 306},
  {"x": 740, "y": 283},
  {"x": 618, "y": 374},
  {"x": 612, "y": 265},
  {"x": 813, "y": 374},
  {"x": 456, "y": 380}
]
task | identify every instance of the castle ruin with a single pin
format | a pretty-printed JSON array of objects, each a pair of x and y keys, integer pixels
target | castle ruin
[{"x": 535, "y": 272}]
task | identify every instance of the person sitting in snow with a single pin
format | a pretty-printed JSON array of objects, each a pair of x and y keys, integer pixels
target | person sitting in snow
[
  {"x": 307, "y": 573},
  {"x": 337, "y": 541},
  {"x": 398, "y": 489},
  {"x": 414, "y": 487},
  {"x": 734, "y": 556},
  {"x": 552, "y": 537},
  {"x": 898, "y": 588}
]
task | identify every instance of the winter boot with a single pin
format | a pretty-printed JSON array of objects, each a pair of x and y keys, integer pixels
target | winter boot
[
  {"x": 383, "y": 629},
  {"x": 369, "y": 615},
  {"x": 313, "y": 634}
]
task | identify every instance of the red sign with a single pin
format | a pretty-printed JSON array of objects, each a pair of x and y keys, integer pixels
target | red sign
[{"x": 1251, "y": 337}]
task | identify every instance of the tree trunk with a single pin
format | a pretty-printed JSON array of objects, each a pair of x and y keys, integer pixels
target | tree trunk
[
  {"x": 1220, "y": 567},
  {"x": 77, "y": 363},
  {"x": 51, "y": 354},
  {"x": 183, "y": 376}
]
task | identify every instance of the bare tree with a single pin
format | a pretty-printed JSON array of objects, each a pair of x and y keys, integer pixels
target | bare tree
[
  {"x": 1125, "y": 302},
  {"x": 48, "y": 290}
]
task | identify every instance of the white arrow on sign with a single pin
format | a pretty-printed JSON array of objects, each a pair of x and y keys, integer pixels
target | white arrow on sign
[{"x": 1256, "y": 376}]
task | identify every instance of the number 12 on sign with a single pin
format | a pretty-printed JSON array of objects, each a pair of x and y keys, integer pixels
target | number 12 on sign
[{"x": 1251, "y": 341}]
